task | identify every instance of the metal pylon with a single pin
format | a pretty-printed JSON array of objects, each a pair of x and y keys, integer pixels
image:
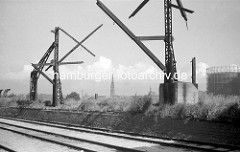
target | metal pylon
[{"x": 170, "y": 62}]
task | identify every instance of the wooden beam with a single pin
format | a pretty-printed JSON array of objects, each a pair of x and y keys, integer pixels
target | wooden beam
[
  {"x": 45, "y": 64},
  {"x": 181, "y": 8},
  {"x": 146, "y": 38},
  {"x": 66, "y": 55},
  {"x": 77, "y": 41},
  {"x": 149, "y": 38},
  {"x": 43, "y": 74},
  {"x": 138, "y": 8},
  {"x": 76, "y": 62}
]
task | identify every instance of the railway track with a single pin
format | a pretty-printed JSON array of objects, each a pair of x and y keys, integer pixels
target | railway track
[
  {"x": 6, "y": 149},
  {"x": 112, "y": 141}
]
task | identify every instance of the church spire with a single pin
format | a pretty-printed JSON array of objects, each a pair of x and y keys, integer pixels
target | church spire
[{"x": 112, "y": 88}]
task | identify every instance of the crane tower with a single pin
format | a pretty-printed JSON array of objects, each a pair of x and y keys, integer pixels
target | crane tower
[{"x": 171, "y": 90}]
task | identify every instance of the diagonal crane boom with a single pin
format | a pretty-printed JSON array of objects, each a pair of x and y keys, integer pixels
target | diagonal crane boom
[
  {"x": 131, "y": 35},
  {"x": 138, "y": 8},
  {"x": 170, "y": 70}
]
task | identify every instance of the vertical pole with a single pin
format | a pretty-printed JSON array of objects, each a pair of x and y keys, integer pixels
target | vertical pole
[
  {"x": 194, "y": 75},
  {"x": 194, "y": 70},
  {"x": 168, "y": 42},
  {"x": 214, "y": 81},
  {"x": 55, "y": 68},
  {"x": 169, "y": 59},
  {"x": 1, "y": 93},
  {"x": 33, "y": 85}
]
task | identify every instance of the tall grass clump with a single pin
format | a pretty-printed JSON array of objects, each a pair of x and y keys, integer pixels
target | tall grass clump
[
  {"x": 172, "y": 111},
  {"x": 112, "y": 105},
  {"x": 23, "y": 102},
  {"x": 88, "y": 105},
  {"x": 14, "y": 100},
  {"x": 210, "y": 107},
  {"x": 140, "y": 104},
  {"x": 70, "y": 104},
  {"x": 8, "y": 101},
  {"x": 224, "y": 108},
  {"x": 104, "y": 105},
  {"x": 73, "y": 95}
]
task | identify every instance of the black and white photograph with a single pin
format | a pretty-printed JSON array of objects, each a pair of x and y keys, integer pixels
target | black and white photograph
[{"x": 119, "y": 75}]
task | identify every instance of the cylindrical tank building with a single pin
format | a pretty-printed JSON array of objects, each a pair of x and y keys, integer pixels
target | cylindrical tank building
[{"x": 223, "y": 80}]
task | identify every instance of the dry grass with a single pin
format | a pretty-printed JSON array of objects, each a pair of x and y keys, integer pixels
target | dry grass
[
  {"x": 12, "y": 100},
  {"x": 209, "y": 107},
  {"x": 140, "y": 104},
  {"x": 105, "y": 105},
  {"x": 135, "y": 104}
]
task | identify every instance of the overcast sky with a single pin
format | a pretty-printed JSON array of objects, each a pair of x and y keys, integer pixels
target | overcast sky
[{"x": 213, "y": 37}]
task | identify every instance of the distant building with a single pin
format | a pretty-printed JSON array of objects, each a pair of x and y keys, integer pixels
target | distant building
[
  {"x": 223, "y": 80},
  {"x": 112, "y": 88}
]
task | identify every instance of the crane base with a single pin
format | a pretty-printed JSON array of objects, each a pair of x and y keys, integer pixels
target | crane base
[{"x": 178, "y": 92}]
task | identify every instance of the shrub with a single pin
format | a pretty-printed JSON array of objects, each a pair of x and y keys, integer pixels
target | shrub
[
  {"x": 107, "y": 105},
  {"x": 104, "y": 103},
  {"x": 122, "y": 105},
  {"x": 140, "y": 104},
  {"x": 11, "y": 95},
  {"x": 196, "y": 111},
  {"x": 230, "y": 114},
  {"x": 12, "y": 100},
  {"x": 47, "y": 103},
  {"x": 210, "y": 107},
  {"x": 88, "y": 105},
  {"x": 73, "y": 95},
  {"x": 23, "y": 102},
  {"x": 173, "y": 111},
  {"x": 184, "y": 111},
  {"x": 6, "y": 101}
]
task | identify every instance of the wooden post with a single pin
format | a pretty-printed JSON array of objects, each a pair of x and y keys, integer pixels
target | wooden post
[
  {"x": 56, "y": 69},
  {"x": 194, "y": 70}
]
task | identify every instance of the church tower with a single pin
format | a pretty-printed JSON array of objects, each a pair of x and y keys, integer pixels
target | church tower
[{"x": 112, "y": 88}]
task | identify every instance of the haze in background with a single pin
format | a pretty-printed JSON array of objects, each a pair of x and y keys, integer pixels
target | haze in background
[{"x": 212, "y": 37}]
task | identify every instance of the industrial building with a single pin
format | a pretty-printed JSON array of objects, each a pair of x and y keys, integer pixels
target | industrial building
[{"x": 223, "y": 80}]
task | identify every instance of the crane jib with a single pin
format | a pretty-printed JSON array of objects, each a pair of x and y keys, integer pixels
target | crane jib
[{"x": 131, "y": 35}]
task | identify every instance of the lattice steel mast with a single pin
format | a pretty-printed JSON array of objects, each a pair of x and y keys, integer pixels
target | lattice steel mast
[
  {"x": 169, "y": 69},
  {"x": 169, "y": 60}
]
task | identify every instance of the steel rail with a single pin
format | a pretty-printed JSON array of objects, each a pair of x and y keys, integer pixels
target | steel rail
[
  {"x": 227, "y": 146},
  {"x": 178, "y": 143},
  {"x": 134, "y": 135},
  {"x": 68, "y": 137},
  {"x": 7, "y": 149},
  {"x": 48, "y": 140}
]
